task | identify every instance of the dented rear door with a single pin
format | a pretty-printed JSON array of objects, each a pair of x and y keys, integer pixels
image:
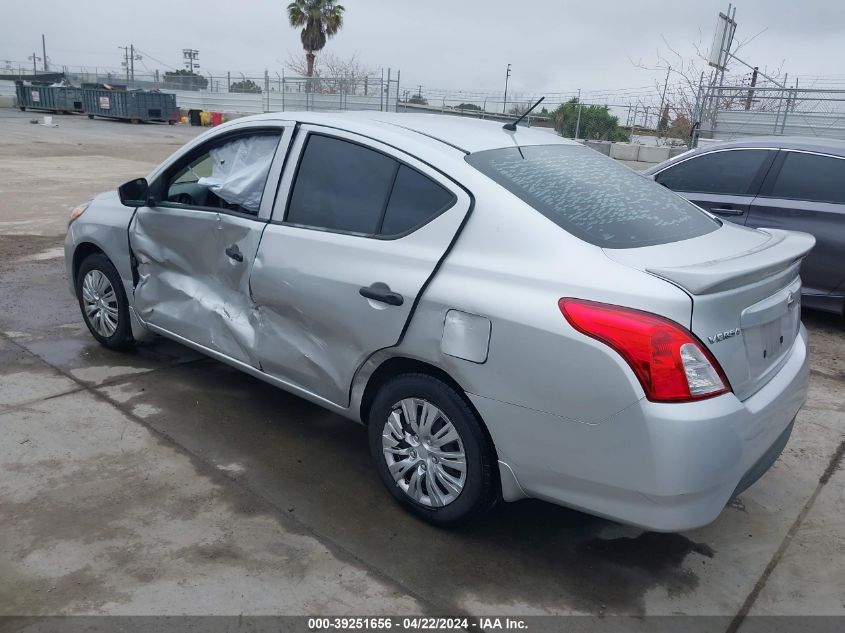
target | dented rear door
[
  {"x": 193, "y": 265},
  {"x": 319, "y": 265}
]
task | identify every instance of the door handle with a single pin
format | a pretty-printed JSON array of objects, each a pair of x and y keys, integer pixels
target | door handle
[
  {"x": 380, "y": 291},
  {"x": 727, "y": 211},
  {"x": 233, "y": 252}
]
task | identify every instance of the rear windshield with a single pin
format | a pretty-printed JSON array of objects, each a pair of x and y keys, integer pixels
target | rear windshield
[{"x": 595, "y": 198}]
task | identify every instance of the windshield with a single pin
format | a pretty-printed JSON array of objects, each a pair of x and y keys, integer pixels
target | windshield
[{"x": 595, "y": 198}]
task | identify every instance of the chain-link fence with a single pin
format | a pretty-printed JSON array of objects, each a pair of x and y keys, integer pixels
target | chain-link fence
[
  {"x": 240, "y": 93},
  {"x": 637, "y": 121},
  {"x": 728, "y": 112}
]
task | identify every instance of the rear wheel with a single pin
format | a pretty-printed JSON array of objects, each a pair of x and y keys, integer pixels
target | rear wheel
[
  {"x": 431, "y": 451},
  {"x": 103, "y": 302}
]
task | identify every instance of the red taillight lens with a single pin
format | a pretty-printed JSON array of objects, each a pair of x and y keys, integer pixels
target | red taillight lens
[{"x": 670, "y": 363}]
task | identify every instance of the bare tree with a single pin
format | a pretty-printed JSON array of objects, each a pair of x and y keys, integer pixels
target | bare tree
[
  {"x": 687, "y": 75},
  {"x": 333, "y": 74}
]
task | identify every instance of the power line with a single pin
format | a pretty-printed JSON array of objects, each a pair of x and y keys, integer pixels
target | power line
[{"x": 158, "y": 61}]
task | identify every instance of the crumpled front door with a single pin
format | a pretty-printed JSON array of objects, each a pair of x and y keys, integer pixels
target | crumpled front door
[{"x": 193, "y": 271}]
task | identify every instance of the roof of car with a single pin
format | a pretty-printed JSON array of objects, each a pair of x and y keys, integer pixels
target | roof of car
[
  {"x": 465, "y": 134},
  {"x": 812, "y": 143}
]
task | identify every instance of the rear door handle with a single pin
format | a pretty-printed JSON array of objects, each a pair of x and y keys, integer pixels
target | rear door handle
[
  {"x": 727, "y": 211},
  {"x": 380, "y": 291},
  {"x": 234, "y": 252}
]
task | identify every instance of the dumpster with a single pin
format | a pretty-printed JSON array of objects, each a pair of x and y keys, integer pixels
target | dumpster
[
  {"x": 48, "y": 98},
  {"x": 115, "y": 102}
]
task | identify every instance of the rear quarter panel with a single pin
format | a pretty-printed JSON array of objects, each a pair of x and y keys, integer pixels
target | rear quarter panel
[{"x": 512, "y": 265}]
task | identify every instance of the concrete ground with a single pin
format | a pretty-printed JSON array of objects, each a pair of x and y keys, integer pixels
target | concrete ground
[{"x": 162, "y": 482}]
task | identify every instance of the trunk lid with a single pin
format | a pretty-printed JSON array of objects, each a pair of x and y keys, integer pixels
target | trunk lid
[{"x": 746, "y": 294}]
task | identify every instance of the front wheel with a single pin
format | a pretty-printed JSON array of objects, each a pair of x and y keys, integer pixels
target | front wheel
[
  {"x": 103, "y": 302},
  {"x": 431, "y": 451}
]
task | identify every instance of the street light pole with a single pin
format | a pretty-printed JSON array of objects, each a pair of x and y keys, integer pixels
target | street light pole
[{"x": 507, "y": 76}]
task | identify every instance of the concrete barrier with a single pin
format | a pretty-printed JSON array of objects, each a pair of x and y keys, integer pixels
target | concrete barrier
[
  {"x": 624, "y": 151},
  {"x": 603, "y": 147},
  {"x": 653, "y": 154},
  {"x": 677, "y": 151}
]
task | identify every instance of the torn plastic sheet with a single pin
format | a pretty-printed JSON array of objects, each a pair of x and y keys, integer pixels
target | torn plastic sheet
[{"x": 239, "y": 170}]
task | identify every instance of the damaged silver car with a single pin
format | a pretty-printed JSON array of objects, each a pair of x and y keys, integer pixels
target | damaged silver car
[{"x": 511, "y": 314}]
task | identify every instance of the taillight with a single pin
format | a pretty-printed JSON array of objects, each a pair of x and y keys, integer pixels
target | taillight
[{"x": 671, "y": 364}]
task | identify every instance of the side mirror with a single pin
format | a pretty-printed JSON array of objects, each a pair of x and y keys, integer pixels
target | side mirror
[{"x": 135, "y": 193}]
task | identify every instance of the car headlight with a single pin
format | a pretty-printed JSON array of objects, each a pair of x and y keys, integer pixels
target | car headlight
[{"x": 77, "y": 211}]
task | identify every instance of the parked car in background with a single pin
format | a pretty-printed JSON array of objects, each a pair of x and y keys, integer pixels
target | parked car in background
[
  {"x": 778, "y": 182},
  {"x": 510, "y": 313}
]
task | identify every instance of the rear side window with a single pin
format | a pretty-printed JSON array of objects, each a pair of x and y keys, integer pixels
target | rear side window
[
  {"x": 595, "y": 198},
  {"x": 729, "y": 172},
  {"x": 415, "y": 200},
  {"x": 341, "y": 186},
  {"x": 811, "y": 177}
]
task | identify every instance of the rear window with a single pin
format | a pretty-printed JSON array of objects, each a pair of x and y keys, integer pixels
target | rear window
[{"x": 595, "y": 198}]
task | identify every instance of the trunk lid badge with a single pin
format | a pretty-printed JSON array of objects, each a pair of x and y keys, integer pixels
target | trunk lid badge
[{"x": 721, "y": 336}]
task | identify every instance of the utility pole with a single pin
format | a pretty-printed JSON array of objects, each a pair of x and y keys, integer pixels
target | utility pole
[
  {"x": 665, "y": 84},
  {"x": 578, "y": 120},
  {"x": 34, "y": 59},
  {"x": 44, "y": 53},
  {"x": 507, "y": 76},
  {"x": 750, "y": 98},
  {"x": 125, "y": 63},
  {"x": 129, "y": 59},
  {"x": 634, "y": 120}
]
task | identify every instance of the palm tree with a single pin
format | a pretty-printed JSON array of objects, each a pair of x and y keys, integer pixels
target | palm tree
[{"x": 320, "y": 20}]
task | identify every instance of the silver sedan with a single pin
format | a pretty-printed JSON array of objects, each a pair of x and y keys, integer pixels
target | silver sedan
[{"x": 511, "y": 314}]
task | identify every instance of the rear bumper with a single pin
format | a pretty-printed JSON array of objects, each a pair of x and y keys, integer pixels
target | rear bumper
[{"x": 663, "y": 467}]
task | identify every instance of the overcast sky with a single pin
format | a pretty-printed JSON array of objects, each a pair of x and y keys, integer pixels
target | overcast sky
[{"x": 555, "y": 46}]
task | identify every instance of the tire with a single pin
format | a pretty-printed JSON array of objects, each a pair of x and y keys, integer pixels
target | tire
[
  {"x": 442, "y": 506},
  {"x": 113, "y": 329},
  {"x": 23, "y": 108},
  {"x": 91, "y": 116}
]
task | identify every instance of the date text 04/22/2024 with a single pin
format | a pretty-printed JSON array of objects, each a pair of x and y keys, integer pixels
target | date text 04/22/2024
[{"x": 416, "y": 623}]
